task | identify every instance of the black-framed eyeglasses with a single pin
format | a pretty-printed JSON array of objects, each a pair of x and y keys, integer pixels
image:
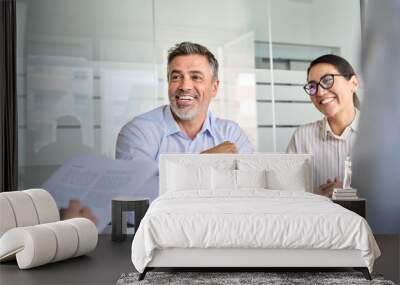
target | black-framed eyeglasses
[{"x": 325, "y": 82}]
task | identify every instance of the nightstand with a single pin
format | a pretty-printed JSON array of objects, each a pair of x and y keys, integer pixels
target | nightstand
[
  {"x": 357, "y": 205},
  {"x": 120, "y": 207}
]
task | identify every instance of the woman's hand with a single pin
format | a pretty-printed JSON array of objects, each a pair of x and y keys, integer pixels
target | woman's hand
[{"x": 327, "y": 188}]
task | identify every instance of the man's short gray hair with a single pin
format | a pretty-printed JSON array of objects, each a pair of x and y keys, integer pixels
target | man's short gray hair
[{"x": 188, "y": 48}]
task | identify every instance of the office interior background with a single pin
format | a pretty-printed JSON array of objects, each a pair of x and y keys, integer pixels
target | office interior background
[{"x": 85, "y": 68}]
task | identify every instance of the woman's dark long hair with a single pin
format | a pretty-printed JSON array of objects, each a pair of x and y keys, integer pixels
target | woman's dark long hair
[{"x": 343, "y": 67}]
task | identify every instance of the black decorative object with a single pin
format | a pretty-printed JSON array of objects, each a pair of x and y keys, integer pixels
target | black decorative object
[{"x": 120, "y": 207}]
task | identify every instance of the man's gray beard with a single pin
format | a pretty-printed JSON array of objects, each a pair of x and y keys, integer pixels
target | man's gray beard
[{"x": 185, "y": 116}]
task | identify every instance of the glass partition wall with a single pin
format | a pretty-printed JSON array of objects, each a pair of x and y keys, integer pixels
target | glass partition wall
[{"x": 85, "y": 68}]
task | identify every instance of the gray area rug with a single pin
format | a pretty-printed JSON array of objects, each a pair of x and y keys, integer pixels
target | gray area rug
[{"x": 225, "y": 278}]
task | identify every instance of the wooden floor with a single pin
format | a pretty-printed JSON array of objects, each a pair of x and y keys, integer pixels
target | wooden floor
[
  {"x": 109, "y": 260},
  {"x": 102, "y": 266},
  {"x": 389, "y": 262}
]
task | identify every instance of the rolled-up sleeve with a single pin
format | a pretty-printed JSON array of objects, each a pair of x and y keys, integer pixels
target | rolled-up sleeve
[{"x": 237, "y": 136}]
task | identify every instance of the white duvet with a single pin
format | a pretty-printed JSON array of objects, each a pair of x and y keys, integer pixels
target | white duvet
[{"x": 252, "y": 218}]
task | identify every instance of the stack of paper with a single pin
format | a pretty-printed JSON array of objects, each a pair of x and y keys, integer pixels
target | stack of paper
[
  {"x": 344, "y": 194},
  {"x": 96, "y": 180}
]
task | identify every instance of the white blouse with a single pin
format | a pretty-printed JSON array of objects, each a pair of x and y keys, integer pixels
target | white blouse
[{"x": 329, "y": 150}]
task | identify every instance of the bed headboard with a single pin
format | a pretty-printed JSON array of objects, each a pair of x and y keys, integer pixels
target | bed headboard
[{"x": 271, "y": 161}]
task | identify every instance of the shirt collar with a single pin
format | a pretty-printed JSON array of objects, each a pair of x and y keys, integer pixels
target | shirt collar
[
  {"x": 326, "y": 128},
  {"x": 172, "y": 126}
]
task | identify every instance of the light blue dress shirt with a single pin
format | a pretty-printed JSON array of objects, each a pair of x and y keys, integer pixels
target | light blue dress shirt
[{"x": 156, "y": 132}]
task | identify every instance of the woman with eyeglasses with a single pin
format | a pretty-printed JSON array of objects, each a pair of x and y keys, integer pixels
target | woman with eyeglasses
[{"x": 332, "y": 85}]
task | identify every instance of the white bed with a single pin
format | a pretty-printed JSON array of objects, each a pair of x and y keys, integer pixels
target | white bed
[{"x": 238, "y": 211}]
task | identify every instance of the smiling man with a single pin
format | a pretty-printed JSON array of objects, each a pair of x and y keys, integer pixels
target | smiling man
[{"x": 185, "y": 125}]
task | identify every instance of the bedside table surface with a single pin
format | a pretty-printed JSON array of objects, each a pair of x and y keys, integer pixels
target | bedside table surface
[{"x": 349, "y": 200}]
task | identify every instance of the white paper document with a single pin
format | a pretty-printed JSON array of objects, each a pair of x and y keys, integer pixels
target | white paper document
[{"x": 94, "y": 181}]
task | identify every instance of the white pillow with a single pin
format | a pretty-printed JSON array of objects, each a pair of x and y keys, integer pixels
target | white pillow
[
  {"x": 251, "y": 178},
  {"x": 223, "y": 179},
  {"x": 182, "y": 177},
  {"x": 293, "y": 178}
]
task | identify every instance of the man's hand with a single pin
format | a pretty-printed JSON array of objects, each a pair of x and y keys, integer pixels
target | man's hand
[
  {"x": 75, "y": 210},
  {"x": 327, "y": 188},
  {"x": 225, "y": 147}
]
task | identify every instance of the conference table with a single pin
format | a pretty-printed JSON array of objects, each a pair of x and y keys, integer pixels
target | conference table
[{"x": 104, "y": 265}]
